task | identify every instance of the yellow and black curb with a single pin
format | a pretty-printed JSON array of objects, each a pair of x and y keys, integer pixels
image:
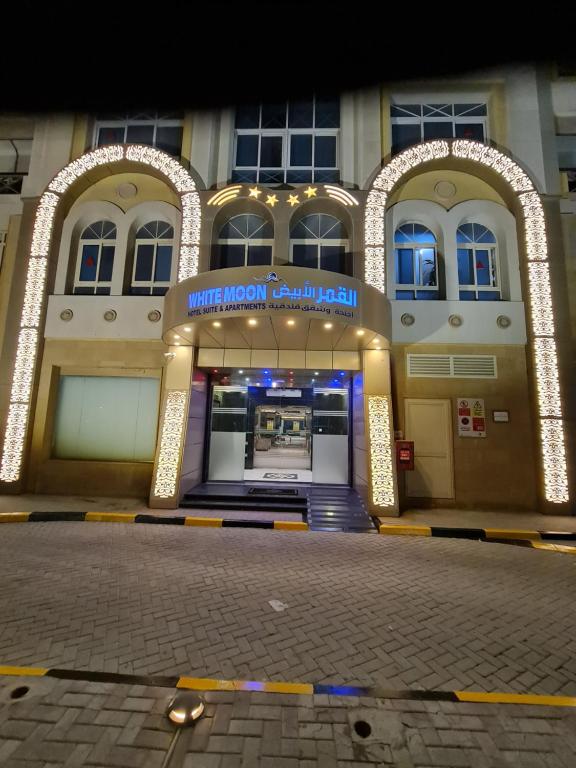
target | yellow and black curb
[
  {"x": 518, "y": 537},
  {"x": 131, "y": 517},
  {"x": 546, "y": 540},
  {"x": 309, "y": 689}
]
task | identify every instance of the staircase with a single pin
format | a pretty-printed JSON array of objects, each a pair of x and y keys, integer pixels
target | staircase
[
  {"x": 222, "y": 497},
  {"x": 323, "y": 507},
  {"x": 337, "y": 508}
]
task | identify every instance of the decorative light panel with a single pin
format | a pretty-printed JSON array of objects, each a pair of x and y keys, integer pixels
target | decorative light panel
[
  {"x": 382, "y": 474},
  {"x": 541, "y": 309},
  {"x": 170, "y": 444},
  {"x": 34, "y": 292}
]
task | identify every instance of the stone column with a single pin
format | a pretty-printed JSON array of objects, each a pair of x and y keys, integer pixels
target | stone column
[
  {"x": 379, "y": 434},
  {"x": 176, "y": 385}
]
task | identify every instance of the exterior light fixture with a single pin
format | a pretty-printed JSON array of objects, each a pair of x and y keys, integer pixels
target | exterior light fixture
[
  {"x": 327, "y": 326},
  {"x": 185, "y": 708},
  {"x": 290, "y": 322},
  {"x": 252, "y": 321},
  {"x": 216, "y": 323},
  {"x": 360, "y": 332}
]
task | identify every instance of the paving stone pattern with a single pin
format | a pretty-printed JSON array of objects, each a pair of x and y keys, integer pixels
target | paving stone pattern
[
  {"x": 64, "y": 724},
  {"x": 399, "y": 612}
]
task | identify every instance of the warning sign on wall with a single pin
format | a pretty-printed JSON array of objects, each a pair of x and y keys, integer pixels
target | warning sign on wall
[{"x": 471, "y": 417}]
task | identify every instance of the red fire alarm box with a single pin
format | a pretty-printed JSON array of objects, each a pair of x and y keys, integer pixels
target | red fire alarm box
[{"x": 405, "y": 454}]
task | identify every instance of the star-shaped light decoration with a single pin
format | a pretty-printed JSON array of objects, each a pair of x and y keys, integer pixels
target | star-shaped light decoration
[
  {"x": 310, "y": 192},
  {"x": 254, "y": 192},
  {"x": 293, "y": 200},
  {"x": 271, "y": 200}
]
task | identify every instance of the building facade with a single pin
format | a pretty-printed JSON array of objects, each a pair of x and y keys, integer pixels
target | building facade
[{"x": 281, "y": 292}]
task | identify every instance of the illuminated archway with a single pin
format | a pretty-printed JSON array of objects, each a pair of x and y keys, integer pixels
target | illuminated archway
[
  {"x": 35, "y": 289},
  {"x": 552, "y": 447}
]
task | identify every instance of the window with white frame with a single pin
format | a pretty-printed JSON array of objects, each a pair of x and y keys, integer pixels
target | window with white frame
[
  {"x": 413, "y": 123},
  {"x": 245, "y": 240},
  {"x": 162, "y": 130},
  {"x": 416, "y": 263},
  {"x": 291, "y": 142},
  {"x": 95, "y": 260},
  {"x": 152, "y": 265},
  {"x": 320, "y": 241},
  {"x": 2, "y": 245},
  {"x": 477, "y": 263}
]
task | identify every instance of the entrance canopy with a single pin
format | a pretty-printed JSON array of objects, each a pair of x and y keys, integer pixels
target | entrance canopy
[{"x": 284, "y": 308}]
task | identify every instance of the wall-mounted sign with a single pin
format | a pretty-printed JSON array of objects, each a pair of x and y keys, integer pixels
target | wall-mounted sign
[
  {"x": 471, "y": 417},
  {"x": 500, "y": 416},
  {"x": 272, "y": 291},
  {"x": 283, "y": 392}
]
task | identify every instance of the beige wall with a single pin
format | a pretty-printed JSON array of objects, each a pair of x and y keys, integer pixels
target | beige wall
[
  {"x": 99, "y": 478},
  {"x": 495, "y": 472}
]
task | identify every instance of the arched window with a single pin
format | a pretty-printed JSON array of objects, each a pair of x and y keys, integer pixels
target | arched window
[
  {"x": 95, "y": 259},
  {"x": 477, "y": 263},
  {"x": 416, "y": 263},
  {"x": 320, "y": 241},
  {"x": 244, "y": 241},
  {"x": 152, "y": 266}
]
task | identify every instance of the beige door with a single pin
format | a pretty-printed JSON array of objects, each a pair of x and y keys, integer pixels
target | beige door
[{"x": 429, "y": 424}]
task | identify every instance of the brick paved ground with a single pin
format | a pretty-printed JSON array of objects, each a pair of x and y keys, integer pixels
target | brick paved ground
[
  {"x": 62, "y": 724},
  {"x": 424, "y": 613}
]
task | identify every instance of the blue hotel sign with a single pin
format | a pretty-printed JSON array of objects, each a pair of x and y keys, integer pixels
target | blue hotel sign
[{"x": 273, "y": 292}]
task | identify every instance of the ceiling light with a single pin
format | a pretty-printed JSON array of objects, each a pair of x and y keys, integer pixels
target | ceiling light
[
  {"x": 327, "y": 326},
  {"x": 187, "y": 328},
  {"x": 316, "y": 373},
  {"x": 241, "y": 371},
  {"x": 360, "y": 332},
  {"x": 176, "y": 343},
  {"x": 252, "y": 321},
  {"x": 247, "y": 378},
  {"x": 216, "y": 323},
  {"x": 176, "y": 336},
  {"x": 290, "y": 322}
]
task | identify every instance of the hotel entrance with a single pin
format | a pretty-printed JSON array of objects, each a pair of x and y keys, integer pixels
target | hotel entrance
[{"x": 280, "y": 426}]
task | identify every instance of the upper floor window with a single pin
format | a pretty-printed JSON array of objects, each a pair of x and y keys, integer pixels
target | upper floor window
[
  {"x": 570, "y": 178},
  {"x": 320, "y": 241},
  {"x": 95, "y": 259},
  {"x": 152, "y": 266},
  {"x": 290, "y": 142},
  {"x": 244, "y": 241},
  {"x": 413, "y": 123},
  {"x": 477, "y": 263},
  {"x": 162, "y": 130},
  {"x": 416, "y": 262}
]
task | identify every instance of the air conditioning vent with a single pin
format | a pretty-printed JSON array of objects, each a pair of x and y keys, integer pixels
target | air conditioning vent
[
  {"x": 452, "y": 366},
  {"x": 474, "y": 366},
  {"x": 429, "y": 365}
]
